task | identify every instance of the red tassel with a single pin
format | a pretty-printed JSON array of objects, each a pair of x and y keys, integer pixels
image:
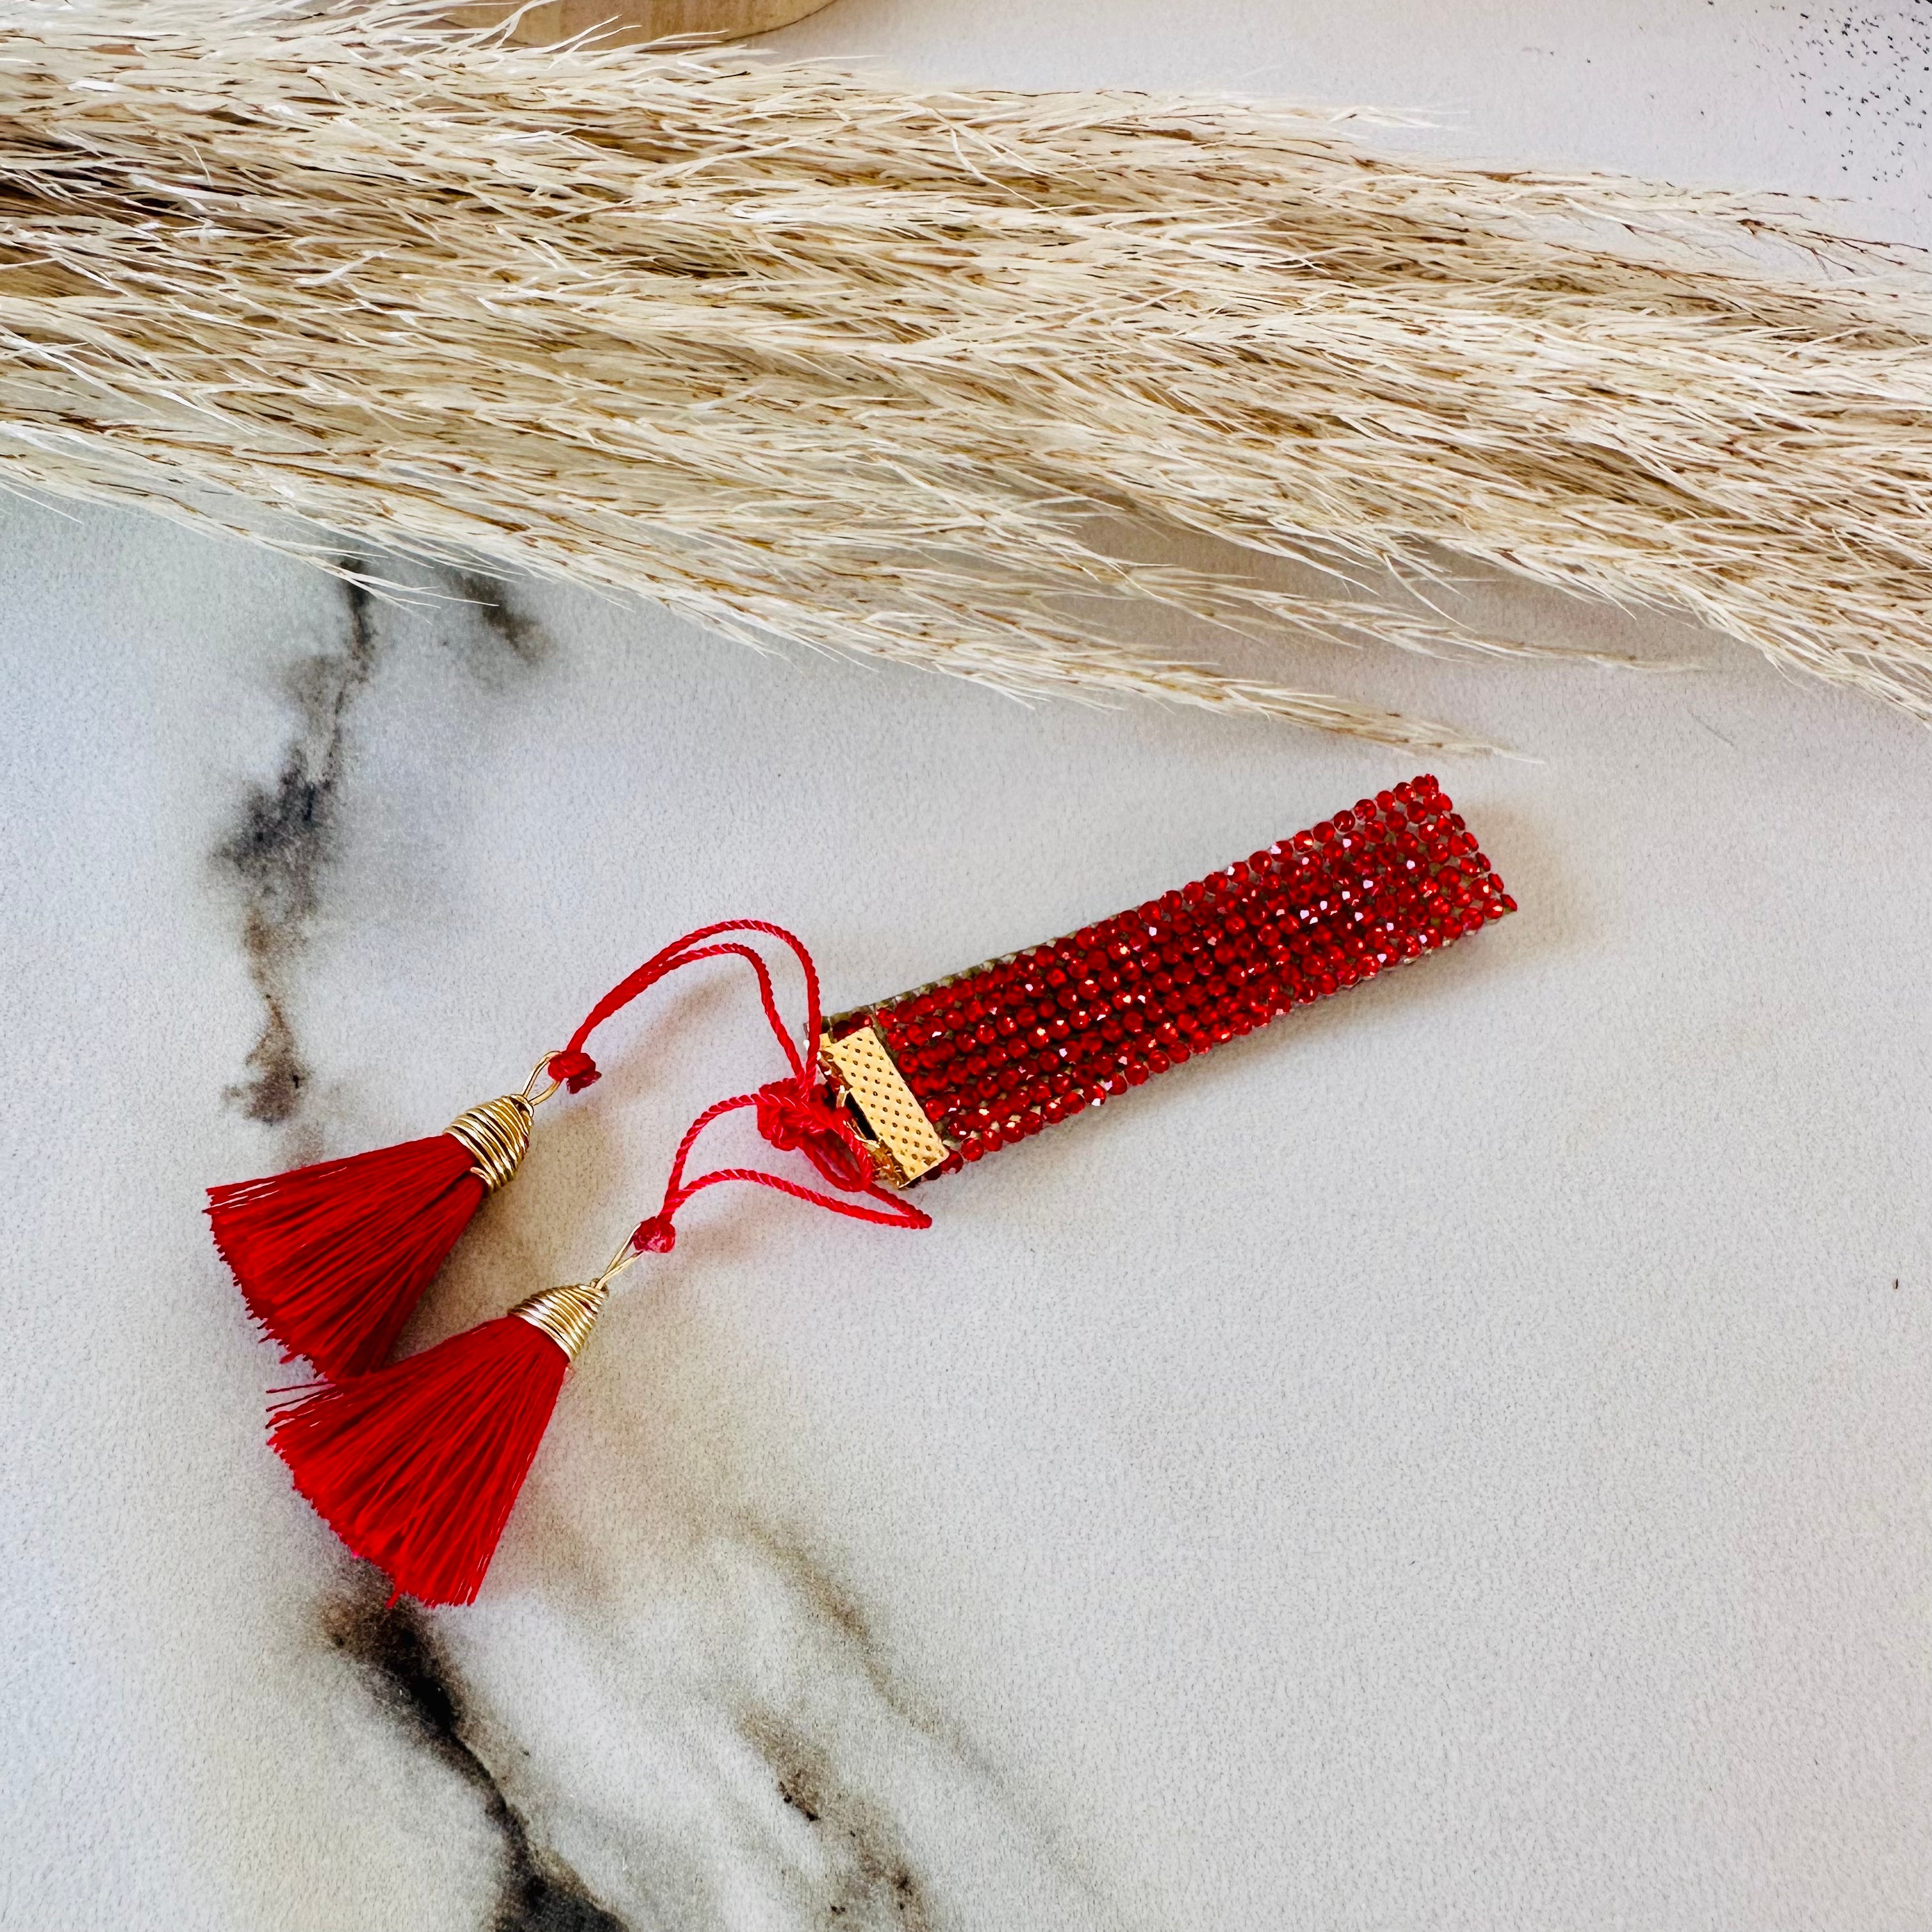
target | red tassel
[
  {"x": 331, "y": 1258},
  {"x": 416, "y": 1466}
]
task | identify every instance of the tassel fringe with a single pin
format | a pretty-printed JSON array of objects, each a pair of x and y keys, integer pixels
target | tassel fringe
[
  {"x": 417, "y": 1466},
  {"x": 331, "y": 1259}
]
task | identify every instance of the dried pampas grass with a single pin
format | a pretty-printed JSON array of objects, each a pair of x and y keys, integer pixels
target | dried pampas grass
[{"x": 874, "y": 370}]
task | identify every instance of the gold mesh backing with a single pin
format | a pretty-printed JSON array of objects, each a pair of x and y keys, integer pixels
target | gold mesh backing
[{"x": 894, "y": 1114}]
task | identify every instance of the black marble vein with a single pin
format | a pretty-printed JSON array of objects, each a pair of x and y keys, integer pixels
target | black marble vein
[
  {"x": 874, "y": 1885},
  {"x": 512, "y": 632},
  {"x": 408, "y": 1676},
  {"x": 282, "y": 847}
]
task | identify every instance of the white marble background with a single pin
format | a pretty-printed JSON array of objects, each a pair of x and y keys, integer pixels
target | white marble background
[{"x": 1459, "y": 1459}]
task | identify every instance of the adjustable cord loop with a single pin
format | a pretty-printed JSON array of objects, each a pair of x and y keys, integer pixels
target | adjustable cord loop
[
  {"x": 790, "y": 1113},
  {"x": 577, "y": 1070},
  {"x": 791, "y": 1116}
]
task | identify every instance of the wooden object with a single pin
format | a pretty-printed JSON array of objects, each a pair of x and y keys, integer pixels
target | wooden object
[{"x": 631, "y": 22}]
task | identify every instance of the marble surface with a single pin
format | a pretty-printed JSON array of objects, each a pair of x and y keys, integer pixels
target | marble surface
[{"x": 1459, "y": 1458}]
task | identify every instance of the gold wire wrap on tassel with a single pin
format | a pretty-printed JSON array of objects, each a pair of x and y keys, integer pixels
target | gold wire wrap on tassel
[
  {"x": 566, "y": 1314},
  {"x": 497, "y": 1133}
]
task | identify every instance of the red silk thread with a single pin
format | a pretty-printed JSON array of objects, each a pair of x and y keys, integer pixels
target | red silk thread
[
  {"x": 788, "y": 1112},
  {"x": 578, "y": 1070}
]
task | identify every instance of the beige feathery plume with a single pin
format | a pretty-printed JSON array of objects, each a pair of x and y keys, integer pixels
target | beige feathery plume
[{"x": 804, "y": 357}]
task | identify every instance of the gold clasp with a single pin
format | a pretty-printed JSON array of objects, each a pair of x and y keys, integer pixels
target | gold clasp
[{"x": 904, "y": 1143}]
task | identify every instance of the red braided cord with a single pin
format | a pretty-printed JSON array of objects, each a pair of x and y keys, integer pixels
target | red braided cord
[
  {"x": 767, "y": 997},
  {"x": 791, "y": 1115},
  {"x": 576, "y": 1067},
  {"x": 655, "y": 1234}
]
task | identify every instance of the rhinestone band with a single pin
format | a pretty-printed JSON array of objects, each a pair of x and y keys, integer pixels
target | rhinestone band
[{"x": 996, "y": 1053}]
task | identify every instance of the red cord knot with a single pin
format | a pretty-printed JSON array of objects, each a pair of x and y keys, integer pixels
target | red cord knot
[
  {"x": 575, "y": 1069},
  {"x": 654, "y": 1235},
  {"x": 791, "y": 1116}
]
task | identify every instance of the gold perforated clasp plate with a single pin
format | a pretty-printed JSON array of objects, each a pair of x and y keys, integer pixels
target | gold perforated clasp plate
[{"x": 899, "y": 1128}]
